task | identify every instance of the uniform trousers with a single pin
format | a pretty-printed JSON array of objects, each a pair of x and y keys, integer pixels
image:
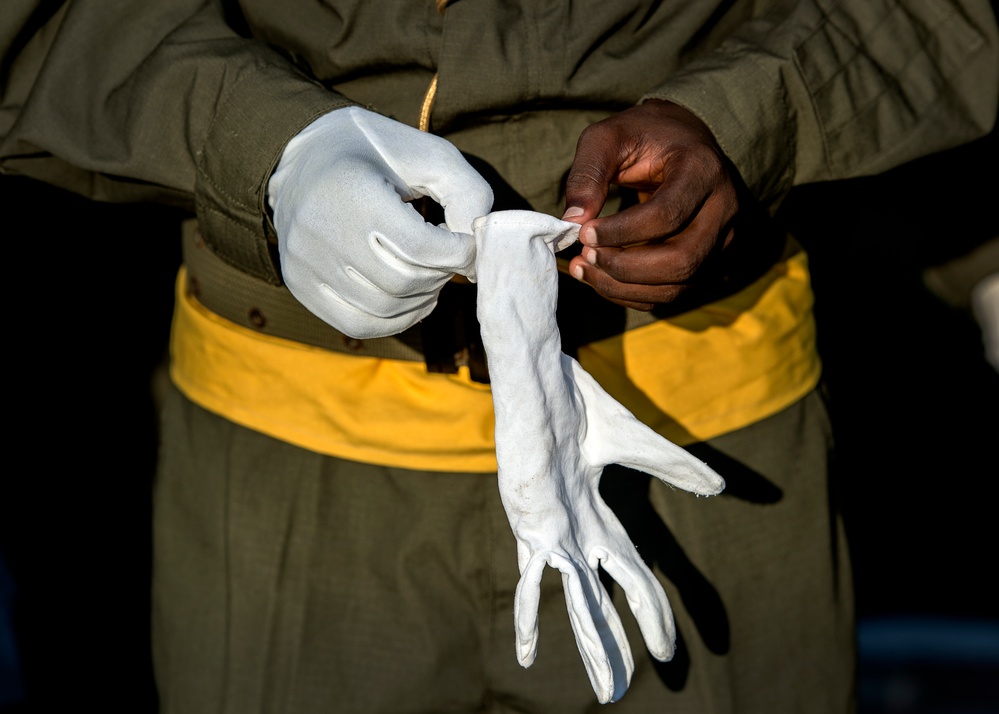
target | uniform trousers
[{"x": 290, "y": 581}]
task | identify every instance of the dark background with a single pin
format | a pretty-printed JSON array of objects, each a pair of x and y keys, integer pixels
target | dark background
[
  {"x": 915, "y": 403},
  {"x": 915, "y": 406},
  {"x": 89, "y": 296}
]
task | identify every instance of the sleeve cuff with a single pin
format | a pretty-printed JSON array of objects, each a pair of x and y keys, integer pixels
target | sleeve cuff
[
  {"x": 254, "y": 121},
  {"x": 746, "y": 107}
]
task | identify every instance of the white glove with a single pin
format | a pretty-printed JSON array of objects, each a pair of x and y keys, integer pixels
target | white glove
[
  {"x": 556, "y": 429},
  {"x": 353, "y": 251}
]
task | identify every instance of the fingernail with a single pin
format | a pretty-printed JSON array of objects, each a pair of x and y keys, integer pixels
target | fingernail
[
  {"x": 572, "y": 212},
  {"x": 577, "y": 273},
  {"x": 590, "y": 255},
  {"x": 588, "y": 235}
]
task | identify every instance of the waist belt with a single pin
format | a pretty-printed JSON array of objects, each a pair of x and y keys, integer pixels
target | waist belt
[{"x": 445, "y": 340}]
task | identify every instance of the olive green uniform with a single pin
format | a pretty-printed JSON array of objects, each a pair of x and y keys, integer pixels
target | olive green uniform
[{"x": 290, "y": 580}]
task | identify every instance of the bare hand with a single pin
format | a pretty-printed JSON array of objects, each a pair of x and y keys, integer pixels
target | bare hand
[{"x": 655, "y": 251}]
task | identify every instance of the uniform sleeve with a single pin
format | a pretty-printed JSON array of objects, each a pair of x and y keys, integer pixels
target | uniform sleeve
[
  {"x": 166, "y": 101},
  {"x": 824, "y": 89}
]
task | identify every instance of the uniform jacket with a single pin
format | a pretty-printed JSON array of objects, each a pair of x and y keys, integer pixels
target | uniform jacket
[{"x": 192, "y": 101}]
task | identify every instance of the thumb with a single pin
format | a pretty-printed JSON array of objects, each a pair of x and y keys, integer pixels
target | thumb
[
  {"x": 594, "y": 165},
  {"x": 616, "y": 436}
]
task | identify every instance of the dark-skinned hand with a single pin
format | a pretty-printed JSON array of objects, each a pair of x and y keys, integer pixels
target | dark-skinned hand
[{"x": 658, "y": 249}]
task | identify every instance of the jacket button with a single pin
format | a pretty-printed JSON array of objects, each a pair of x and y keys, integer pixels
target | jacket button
[{"x": 257, "y": 318}]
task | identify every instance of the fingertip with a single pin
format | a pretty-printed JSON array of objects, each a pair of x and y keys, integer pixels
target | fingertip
[
  {"x": 588, "y": 235},
  {"x": 526, "y": 630},
  {"x": 601, "y": 676},
  {"x": 661, "y": 643},
  {"x": 662, "y": 656},
  {"x": 527, "y": 649}
]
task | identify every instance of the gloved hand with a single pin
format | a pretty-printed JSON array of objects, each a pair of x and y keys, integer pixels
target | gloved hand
[
  {"x": 556, "y": 429},
  {"x": 353, "y": 250}
]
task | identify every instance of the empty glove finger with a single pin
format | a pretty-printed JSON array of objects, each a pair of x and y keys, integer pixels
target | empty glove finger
[
  {"x": 616, "y": 436},
  {"x": 647, "y": 600},
  {"x": 600, "y": 637},
  {"x": 526, "y": 601}
]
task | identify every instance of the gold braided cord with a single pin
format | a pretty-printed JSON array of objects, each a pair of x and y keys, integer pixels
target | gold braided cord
[
  {"x": 428, "y": 98},
  {"x": 428, "y": 104}
]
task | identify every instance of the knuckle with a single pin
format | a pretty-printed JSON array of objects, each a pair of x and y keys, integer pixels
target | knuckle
[{"x": 584, "y": 176}]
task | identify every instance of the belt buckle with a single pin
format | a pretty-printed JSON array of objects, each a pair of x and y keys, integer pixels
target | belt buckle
[{"x": 450, "y": 334}]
